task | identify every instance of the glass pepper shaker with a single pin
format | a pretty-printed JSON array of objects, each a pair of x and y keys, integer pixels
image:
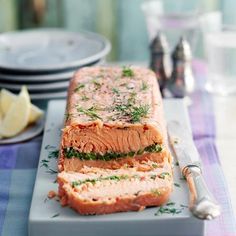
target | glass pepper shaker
[
  {"x": 160, "y": 60},
  {"x": 182, "y": 81}
]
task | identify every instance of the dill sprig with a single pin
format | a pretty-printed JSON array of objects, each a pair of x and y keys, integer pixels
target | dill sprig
[
  {"x": 115, "y": 90},
  {"x": 168, "y": 210},
  {"x": 91, "y": 112},
  {"x": 164, "y": 174},
  {"x": 177, "y": 185},
  {"x": 44, "y": 163},
  {"x": 80, "y": 86},
  {"x": 68, "y": 116},
  {"x": 134, "y": 112},
  {"x": 156, "y": 192},
  {"x": 97, "y": 84},
  {"x": 129, "y": 109},
  {"x": 132, "y": 97},
  {"x": 84, "y": 98},
  {"x": 154, "y": 165},
  {"x": 49, "y": 147},
  {"x": 53, "y": 154},
  {"x": 127, "y": 71},
  {"x": 56, "y": 215},
  {"x": 144, "y": 86},
  {"x": 51, "y": 171},
  {"x": 170, "y": 203},
  {"x": 139, "y": 112}
]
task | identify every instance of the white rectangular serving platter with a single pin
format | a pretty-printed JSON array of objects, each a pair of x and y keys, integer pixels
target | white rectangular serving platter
[{"x": 47, "y": 217}]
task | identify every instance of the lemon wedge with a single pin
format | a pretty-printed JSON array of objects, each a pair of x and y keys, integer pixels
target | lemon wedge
[
  {"x": 7, "y": 98},
  {"x": 35, "y": 114},
  {"x": 17, "y": 116}
]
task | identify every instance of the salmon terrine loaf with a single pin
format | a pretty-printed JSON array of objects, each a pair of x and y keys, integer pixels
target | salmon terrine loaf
[
  {"x": 102, "y": 191},
  {"x": 114, "y": 117}
]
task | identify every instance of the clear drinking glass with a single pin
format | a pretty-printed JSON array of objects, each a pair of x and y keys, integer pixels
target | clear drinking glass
[
  {"x": 174, "y": 20},
  {"x": 220, "y": 48}
]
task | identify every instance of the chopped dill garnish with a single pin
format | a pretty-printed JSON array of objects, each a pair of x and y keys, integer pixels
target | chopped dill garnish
[
  {"x": 177, "y": 185},
  {"x": 164, "y": 174},
  {"x": 44, "y": 163},
  {"x": 170, "y": 203},
  {"x": 153, "y": 148},
  {"x": 131, "y": 99},
  {"x": 67, "y": 116},
  {"x": 48, "y": 147},
  {"x": 156, "y": 192},
  {"x": 144, "y": 86},
  {"x": 127, "y": 71},
  {"x": 56, "y": 215},
  {"x": 153, "y": 177},
  {"x": 70, "y": 152},
  {"x": 51, "y": 171},
  {"x": 97, "y": 84},
  {"x": 93, "y": 181},
  {"x": 84, "y": 98},
  {"x": 121, "y": 107},
  {"x": 139, "y": 112},
  {"x": 80, "y": 86},
  {"x": 114, "y": 90},
  {"x": 154, "y": 165},
  {"x": 168, "y": 210},
  {"x": 53, "y": 154},
  {"x": 91, "y": 112},
  {"x": 135, "y": 113}
]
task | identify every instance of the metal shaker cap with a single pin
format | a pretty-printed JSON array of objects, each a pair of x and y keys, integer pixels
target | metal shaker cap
[
  {"x": 182, "y": 51},
  {"x": 159, "y": 44}
]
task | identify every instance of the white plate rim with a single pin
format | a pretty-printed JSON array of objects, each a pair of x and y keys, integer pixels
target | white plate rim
[
  {"x": 76, "y": 63},
  {"x": 46, "y": 77},
  {"x": 37, "y": 87},
  {"x": 32, "y": 78},
  {"x": 46, "y": 96}
]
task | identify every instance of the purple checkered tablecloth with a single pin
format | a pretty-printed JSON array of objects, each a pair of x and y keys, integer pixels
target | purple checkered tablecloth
[{"x": 18, "y": 165}]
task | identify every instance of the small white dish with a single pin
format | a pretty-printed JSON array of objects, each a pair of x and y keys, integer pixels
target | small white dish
[{"x": 30, "y": 132}]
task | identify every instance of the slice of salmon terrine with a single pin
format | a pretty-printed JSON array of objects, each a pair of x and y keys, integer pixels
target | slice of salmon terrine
[
  {"x": 114, "y": 116},
  {"x": 96, "y": 191}
]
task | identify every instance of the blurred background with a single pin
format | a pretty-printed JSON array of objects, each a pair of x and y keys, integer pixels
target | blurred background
[{"x": 121, "y": 21}]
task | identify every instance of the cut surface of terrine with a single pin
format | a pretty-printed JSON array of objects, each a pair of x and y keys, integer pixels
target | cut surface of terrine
[
  {"x": 113, "y": 115},
  {"x": 103, "y": 191}
]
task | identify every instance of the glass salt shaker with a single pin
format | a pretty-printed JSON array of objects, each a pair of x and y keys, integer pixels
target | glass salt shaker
[{"x": 160, "y": 60}]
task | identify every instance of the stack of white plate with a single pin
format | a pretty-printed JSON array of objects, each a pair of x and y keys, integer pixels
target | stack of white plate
[{"x": 46, "y": 59}]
